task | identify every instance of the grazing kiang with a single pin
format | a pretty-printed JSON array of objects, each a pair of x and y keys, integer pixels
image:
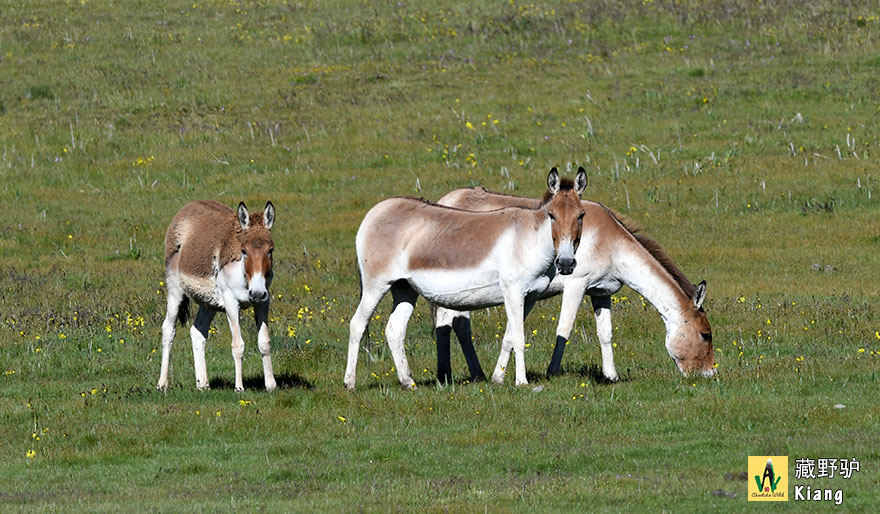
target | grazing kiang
[
  {"x": 611, "y": 254},
  {"x": 222, "y": 260},
  {"x": 463, "y": 260}
]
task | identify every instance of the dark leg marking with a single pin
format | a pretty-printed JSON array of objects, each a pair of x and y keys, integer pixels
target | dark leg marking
[
  {"x": 462, "y": 327},
  {"x": 556, "y": 360}
]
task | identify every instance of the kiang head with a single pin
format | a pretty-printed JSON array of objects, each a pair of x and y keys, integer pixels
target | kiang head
[
  {"x": 690, "y": 343},
  {"x": 256, "y": 250},
  {"x": 563, "y": 204}
]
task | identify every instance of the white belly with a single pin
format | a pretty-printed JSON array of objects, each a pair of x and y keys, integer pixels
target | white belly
[
  {"x": 202, "y": 289},
  {"x": 458, "y": 289}
]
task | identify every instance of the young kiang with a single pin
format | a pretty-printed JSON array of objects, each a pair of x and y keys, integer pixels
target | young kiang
[
  {"x": 221, "y": 259},
  {"x": 463, "y": 260},
  {"x": 610, "y": 254}
]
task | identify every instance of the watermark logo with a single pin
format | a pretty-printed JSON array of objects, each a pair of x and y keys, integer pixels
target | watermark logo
[
  {"x": 769, "y": 478},
  {"x": 821, "y": 472}
]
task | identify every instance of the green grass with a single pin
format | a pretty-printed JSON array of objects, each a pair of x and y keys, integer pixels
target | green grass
[{"x": 740, "y": 135}]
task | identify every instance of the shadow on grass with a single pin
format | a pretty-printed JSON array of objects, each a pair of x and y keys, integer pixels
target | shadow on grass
[
  {"x": 427, "y": 382},
  {"x": 594, "y": 373},
  {"x": 285, "y": 381}
]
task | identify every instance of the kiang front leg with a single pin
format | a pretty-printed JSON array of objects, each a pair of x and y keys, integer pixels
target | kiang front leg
[
  {"x": 514, "y": 339},
  {"x": 572, "y": 296},
  {"x": 602, "y": 311},
  {"x": 232, "y": 312},
  {"x": 503, "y": 357},
  {"x": 395, "y": 330},
  {"x": 261, "y": 316}
]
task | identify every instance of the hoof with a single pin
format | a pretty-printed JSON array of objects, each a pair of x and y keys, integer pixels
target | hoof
[
  {"x": 349, "y": 385},
  {"x": 612, "y": 376},
  {"x": 498, "y": 379},
  {"x": 271, "y": 386},
  {"x": 522, "y": 382},
  {"x": 203, "y": 388},
  {"x": 408, "y": 386},
  {"x": 239, "y": 389},
  {"x": 162, "y": 387}
]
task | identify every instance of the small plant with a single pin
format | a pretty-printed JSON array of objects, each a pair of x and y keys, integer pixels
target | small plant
[
  {"x": 814, "y": 206},
  {"x": 41, "y": 92}
]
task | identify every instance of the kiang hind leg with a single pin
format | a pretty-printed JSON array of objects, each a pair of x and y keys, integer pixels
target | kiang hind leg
[
  {"x": 448, "y": 321},
  {"x": 602, "y": 311},
  {"x": 395, "y": 330},
  {"x": 199, "y": 334},
  {"x": 442, "y": 332},
  {"x": 461, "y": 325},
  {"x": 174, "y": 303},
  {"x": 371, "y": 294}
]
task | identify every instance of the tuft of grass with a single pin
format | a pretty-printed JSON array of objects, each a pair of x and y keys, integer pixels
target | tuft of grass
[{"x": 40, "y": 92}]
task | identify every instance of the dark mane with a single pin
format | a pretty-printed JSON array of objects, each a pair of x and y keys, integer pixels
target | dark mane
[
  {"x": 565, "y": 184},
  {"x": 657, "y": 252}
]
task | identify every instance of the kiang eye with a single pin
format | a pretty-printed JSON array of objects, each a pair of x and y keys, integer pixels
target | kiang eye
[
  {"x": 581, "y": 218},
  {"x": 243, "y": 252},
  {"x": 551, "y": 216},
  {"x": 707, "y": 336}
]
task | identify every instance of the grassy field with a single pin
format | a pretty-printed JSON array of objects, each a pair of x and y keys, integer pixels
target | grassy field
[{"x": 741, "y": 135}]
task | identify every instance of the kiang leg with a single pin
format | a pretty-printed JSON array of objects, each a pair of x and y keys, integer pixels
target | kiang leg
[
  {"x": 448, "y": 321},
  {"x": 515, "y": 318},
  {"x": 370, "y": 297},
  {"x": 175, "y": 300},
  {"x": 232, "y": 312},
  {"x": 503, "y": 356},
  {"x": 199, "y": 334},
  {"x": 572, "y": 296},
  {"x": 509, "y": 343},
  {"x": 514, "y": 339},
  {"x": 602, "y": 311},
  {"x": 261, "y": 317},
  {"x": 395, "y": 330},
  {"x": 461, "y": 324},
  {"x": 442, "y": 331}
]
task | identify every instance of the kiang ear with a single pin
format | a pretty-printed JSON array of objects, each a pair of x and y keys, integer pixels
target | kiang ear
[
  {"x": 553, "y": 181},
  {"x": 244, "y": 218},
  {"x": 700, "y": 294},
  {"x": 269, "y": 215},
  {"x": 580, "y": 180}
]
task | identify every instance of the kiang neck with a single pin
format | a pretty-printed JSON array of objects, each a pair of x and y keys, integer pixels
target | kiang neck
[{"x": 647, "y": 277}]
